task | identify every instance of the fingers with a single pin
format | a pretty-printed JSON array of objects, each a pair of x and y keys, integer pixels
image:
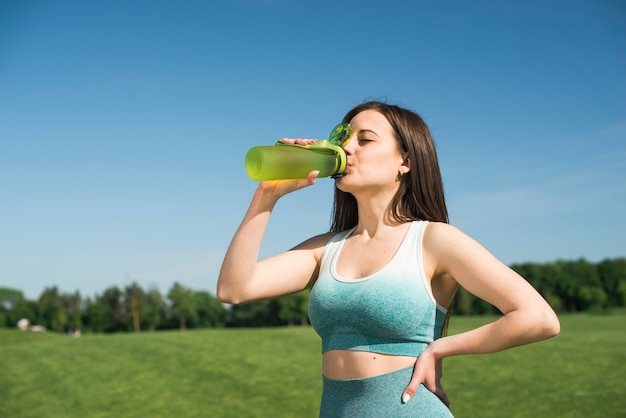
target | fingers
[
  {"x": 416, "y": 380},
  {"x": 299, "y": 141},
  {"x": 294, "y": 185},
  {"x": 279, "y": 188},
  {"x": 411, "y": 389},
  {"x": 414, "y": 386},
  {"x": 312, "y": 177}
]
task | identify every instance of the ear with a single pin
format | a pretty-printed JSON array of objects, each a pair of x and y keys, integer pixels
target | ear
[{"x": 406, "y": 165}]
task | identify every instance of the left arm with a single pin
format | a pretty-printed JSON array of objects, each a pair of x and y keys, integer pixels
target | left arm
[{"x": 527, "y": 317}]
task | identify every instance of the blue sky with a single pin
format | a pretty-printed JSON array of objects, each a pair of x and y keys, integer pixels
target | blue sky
[{"x": 124, "y": 125}]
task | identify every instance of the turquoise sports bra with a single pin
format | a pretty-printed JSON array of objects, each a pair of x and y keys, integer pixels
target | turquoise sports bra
[{"x": 391, "y": 312}]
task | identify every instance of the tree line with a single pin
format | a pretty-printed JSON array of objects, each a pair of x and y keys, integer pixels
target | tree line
[
  {"x": 569, "y": 286},
  {"x": 135, "y": 309}
]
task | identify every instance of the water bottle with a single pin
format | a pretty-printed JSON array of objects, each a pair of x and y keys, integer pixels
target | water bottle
[{"x": 292, "y": 161}]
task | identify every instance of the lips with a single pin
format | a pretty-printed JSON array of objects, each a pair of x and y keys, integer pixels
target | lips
[{"x": 342, "y": 174}]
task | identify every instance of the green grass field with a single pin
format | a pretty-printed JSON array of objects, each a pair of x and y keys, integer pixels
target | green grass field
[{"x": 276, "y": 373}]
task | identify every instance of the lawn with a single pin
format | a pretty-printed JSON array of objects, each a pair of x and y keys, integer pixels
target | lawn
[{"x": 275, "y": 372}]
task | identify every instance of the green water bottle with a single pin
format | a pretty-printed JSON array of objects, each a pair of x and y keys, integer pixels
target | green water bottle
[{"x": 291, "y": 161}]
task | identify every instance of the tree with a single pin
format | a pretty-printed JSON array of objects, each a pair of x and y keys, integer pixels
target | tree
[
  {"x": 73, "y": 307},
  {"x": 183, "y": 305},
  {"x": 581, "y": 274},
  {"x": 135, "y": 304},
  {"x": 210, "y": 311},
  {"x": 465, "y": 303},
  {"x": 155, "y": 309},
  {"x": 9, "y": 298},
  {"x": 612, "y": 273},
  {"x": 256, "y": 314},
  {"x": 51, "y": 310},
  {"x": 97, "y": 316},
  {"x": 294, "y": 308},
  {"x": 591, "y": 298},
  {"x": 14, "y": 306},
  {"x": 112, "y": 300},
  {"x": 621, "y": 291}
]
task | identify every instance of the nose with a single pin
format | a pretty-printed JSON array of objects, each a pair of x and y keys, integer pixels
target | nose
[{"x": 349, "y": 145}]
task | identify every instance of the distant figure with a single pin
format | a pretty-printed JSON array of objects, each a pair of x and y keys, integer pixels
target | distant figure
[
  {"x": 73, "y": 332},
  {"x": 23, "y": 324},
  {"x": 38, "y": 328}
]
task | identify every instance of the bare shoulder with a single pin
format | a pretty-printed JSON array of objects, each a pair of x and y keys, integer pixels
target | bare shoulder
[
  {"x": 315, "y": 244},
  {"x": 317, "y": 241},
  {"x": 440, "y": 236},
  {"x": 449, "y": 248}
]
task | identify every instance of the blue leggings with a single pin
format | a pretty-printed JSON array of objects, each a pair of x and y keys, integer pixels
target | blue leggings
[{"x": 379, "y": 396}]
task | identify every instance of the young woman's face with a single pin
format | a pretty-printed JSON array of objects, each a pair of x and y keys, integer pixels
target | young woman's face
[{"x": 374, "y": 157}]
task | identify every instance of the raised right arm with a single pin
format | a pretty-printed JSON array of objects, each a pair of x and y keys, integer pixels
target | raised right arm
[{"x": 243, "y": 278}]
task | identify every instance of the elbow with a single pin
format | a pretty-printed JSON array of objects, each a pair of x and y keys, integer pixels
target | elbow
[
  {"x": 550, "y": 324},
  {"x": 224, "y": 296},
  {"x": 540, "y": 323},
  {"x": 232, "y": 294},
  {"x": 553, "y": 327},
  {"x": 227, "y": 292}
]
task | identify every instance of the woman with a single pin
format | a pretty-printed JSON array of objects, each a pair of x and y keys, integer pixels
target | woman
[{"x": 383, "y": 277}]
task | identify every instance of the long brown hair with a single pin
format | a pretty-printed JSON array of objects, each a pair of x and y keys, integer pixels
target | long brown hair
[{"x": 420, "y": 195}]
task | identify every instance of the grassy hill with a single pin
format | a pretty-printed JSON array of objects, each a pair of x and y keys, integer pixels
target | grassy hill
[{"x": 275, "y": 372}]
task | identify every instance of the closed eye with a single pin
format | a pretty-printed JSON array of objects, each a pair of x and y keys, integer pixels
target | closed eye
[{"x": 364, "y": 135}]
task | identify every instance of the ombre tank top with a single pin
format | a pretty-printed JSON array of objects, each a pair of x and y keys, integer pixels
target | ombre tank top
[{"x": 391, "y": 312}]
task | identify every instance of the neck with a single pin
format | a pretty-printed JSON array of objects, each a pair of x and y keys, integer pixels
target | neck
[{"x": 375, "y": 214}]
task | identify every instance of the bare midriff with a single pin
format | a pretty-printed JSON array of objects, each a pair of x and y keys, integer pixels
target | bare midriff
[{"x": 349, "y": 364}]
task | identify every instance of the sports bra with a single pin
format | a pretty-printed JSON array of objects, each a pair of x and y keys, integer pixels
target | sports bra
[{"x": 391, "y": 312}]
